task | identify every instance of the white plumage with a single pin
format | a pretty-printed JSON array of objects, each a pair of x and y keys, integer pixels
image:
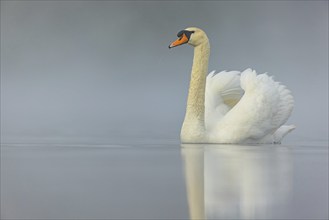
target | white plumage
[
  {"x": 246, "y": 107},
  {"x": 231, "y": 106}
]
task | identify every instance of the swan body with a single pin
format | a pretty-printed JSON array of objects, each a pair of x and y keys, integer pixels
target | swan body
[{"x": 231, "y": 106}]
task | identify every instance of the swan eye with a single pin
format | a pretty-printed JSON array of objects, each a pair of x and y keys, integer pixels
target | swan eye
[
  {"x": 180, "y": 34},
  {"x": 188, "y": 34}
]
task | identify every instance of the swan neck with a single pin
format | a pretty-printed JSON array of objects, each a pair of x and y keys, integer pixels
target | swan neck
[
  {"x": 194, "y": 117},
  {"x": 198, "y": 75}
]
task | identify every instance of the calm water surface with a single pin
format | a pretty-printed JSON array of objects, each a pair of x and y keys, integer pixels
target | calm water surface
[{"x": 164, "y": 181}]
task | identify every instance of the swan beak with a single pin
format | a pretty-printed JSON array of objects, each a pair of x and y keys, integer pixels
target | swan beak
[{"x": 179, "y": 41}]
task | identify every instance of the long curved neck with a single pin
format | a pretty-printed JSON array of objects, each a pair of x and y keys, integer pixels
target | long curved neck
[{"x": 193, "y": 127}]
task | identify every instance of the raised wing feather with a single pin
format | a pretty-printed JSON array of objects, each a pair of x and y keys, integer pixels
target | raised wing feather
[
  {"x": 264, "y": 107},
  {"x": 223, "y": 92}
]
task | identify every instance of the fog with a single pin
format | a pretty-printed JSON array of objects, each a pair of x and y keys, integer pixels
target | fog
[{"x": 101, "y": 70}]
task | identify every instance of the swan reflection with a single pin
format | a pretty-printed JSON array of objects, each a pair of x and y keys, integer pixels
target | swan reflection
[{"x": 236, "y": 181}]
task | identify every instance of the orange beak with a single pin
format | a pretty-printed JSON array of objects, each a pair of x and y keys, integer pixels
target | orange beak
[{"x": 179, "y": 41}]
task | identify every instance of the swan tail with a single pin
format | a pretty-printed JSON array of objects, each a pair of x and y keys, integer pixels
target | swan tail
[{"x": 281, "y": 132}]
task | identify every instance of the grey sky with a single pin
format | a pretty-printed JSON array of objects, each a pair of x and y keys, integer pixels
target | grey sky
[{"x": 102, "y": 69}]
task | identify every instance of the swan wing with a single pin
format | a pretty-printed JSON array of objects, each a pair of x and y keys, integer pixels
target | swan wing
[
  {"x": 223, "y": 92},
  {"x": 264, "y": 107}
]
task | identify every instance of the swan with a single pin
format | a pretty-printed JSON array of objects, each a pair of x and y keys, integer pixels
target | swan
[{"x": 231, "y": 107}]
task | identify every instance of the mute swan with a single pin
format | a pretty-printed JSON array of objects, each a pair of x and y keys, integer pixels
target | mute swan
[{"x": 231, "y": 107}]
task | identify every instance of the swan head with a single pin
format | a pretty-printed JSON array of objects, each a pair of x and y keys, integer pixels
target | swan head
[{"x": 192, "y": 36}]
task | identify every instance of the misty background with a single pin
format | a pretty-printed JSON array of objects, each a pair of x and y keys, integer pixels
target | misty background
[{"x": 102, "y": 71}]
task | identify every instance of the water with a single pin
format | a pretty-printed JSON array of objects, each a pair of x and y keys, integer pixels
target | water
[{"x": 164, "y": 181}]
